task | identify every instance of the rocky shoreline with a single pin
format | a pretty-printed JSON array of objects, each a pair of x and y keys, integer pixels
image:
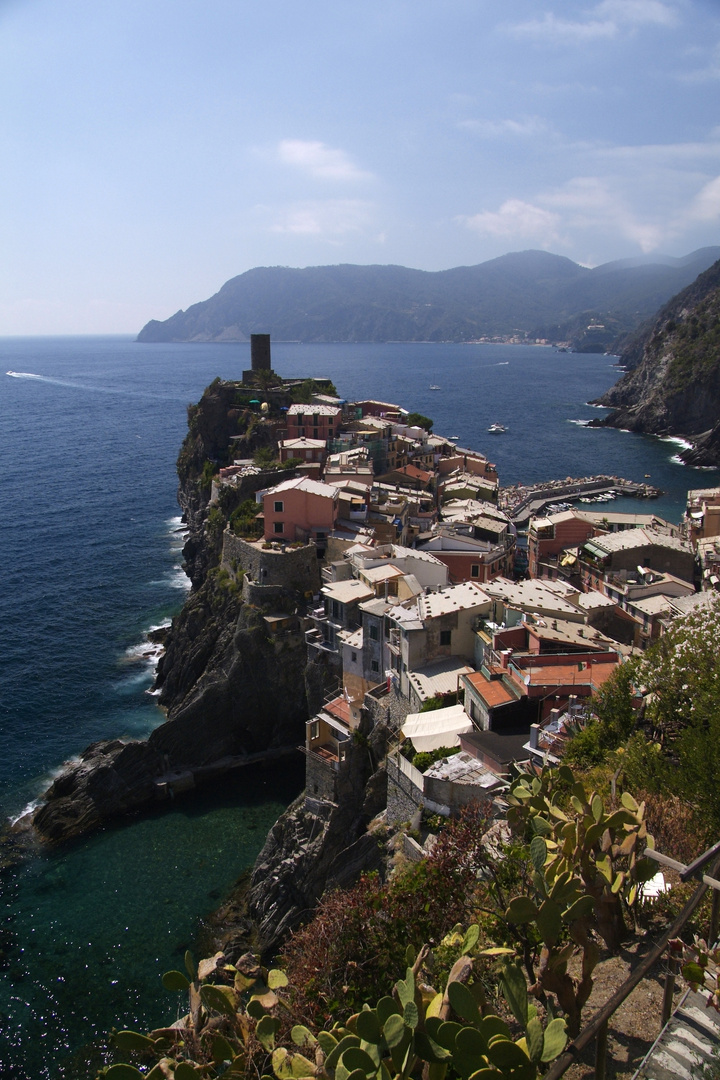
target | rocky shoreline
[{"x": 233, "y": 694}]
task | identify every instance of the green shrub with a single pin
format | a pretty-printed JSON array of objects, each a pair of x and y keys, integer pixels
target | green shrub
[
  {"x": 426, "y": 758},
  {"x": 208, "y": 472}
]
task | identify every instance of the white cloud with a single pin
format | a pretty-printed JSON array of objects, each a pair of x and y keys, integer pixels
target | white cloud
[
  {"x": 554, "y": 29},
  {"x": 592, "y": 203},
  {"x": 529, "y": 126},
  {"x": 659, "y": 154},
  {"x": 319, "y": 160},
  {"x": 330, "y": 219},
  {"x": 638, "y": 12},
  {"x": 706, "y": 204},
  {"x": 604, "y": 21},
  {"x": 516, "y": 220},
  {"x": 709, "y": 70}
]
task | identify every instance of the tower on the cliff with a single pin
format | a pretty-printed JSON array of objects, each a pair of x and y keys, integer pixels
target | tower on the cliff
[
  {"x": 260, "y": 352},
  {"x": 259, "y": 357}
]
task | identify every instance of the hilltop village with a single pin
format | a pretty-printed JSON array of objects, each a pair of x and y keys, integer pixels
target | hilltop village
[
  {"x": 473, "y": 624},
  {"x": 366, "y": 592}
]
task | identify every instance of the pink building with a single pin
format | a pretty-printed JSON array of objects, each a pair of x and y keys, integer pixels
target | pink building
[
  {"x": 300, "y": 509},
  {"x": 313, "y": 421}
]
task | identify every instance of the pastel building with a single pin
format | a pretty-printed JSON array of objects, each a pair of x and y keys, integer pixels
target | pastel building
[
  {"x": 300, "y": 509},
  {"x": 313, "y": 422}
]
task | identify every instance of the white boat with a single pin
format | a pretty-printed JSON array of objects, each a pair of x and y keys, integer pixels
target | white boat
[
  {"x": 436, "y": 388},
  {"x": 497, "y": 429}
]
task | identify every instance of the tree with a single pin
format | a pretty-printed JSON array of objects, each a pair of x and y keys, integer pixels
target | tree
[
  {"x": 681, "y": 678},
  {"x": 617, "y": 716},
  {"x": 416, "y": 419}
]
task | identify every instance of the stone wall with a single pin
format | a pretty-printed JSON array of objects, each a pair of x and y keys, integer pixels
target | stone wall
[
  {"x": 389, "y": 707},
  {"x": 233, "y": 493},
  {"x": 295, "y": 569},
  {"x": 404, "y": 798},
  {"x": 262, "y": 595},
  {"x": 320, "y": 779}
]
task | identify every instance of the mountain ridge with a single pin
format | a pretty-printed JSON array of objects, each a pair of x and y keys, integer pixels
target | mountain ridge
[{"x": 529, "y": 295}]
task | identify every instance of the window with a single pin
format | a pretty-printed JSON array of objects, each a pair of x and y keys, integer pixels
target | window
[
  {"x": 353, "y": 657},
  {"x": 278, "y": 506},
  {"x": 373, "y": 633},
  {"x": 279, "y": 527},
  {"x": 475, "y": 570},
  {"x": 445, "y": 637},
  {"x": 374, "y": 665}
]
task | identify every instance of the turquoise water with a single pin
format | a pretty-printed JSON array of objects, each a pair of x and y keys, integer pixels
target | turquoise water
[
  {"x": 89, "y": 435},
  {"x": 95, "y": 925}
]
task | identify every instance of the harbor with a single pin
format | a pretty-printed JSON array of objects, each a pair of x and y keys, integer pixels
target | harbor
[{"x": 522, "y": 502}]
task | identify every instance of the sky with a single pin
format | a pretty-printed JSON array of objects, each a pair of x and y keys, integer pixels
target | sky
[{"x": 153, "y": 149}]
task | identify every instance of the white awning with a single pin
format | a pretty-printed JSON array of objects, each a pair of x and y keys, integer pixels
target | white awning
[{"x": 440, "y": 727}]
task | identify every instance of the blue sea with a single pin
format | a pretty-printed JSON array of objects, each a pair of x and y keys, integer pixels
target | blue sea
[{"x": 90, "y": 429}]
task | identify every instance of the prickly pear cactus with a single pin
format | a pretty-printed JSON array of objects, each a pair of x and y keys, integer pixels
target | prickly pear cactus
[
  {"x": 587, "y": 870},
  {"x": 410, "y": 1029}
]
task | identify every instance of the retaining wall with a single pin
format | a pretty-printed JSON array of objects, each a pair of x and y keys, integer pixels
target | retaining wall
[{"x": 295, "y": 569}]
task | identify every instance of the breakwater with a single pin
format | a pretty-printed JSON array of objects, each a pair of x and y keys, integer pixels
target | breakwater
[{"x": 521, "y": 502}]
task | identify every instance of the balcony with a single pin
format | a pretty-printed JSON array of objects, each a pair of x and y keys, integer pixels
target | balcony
[
  {"x": 315, "y": 639},
  {"x": 318, "y": 615},
  {"x": 326, "y": 753}
]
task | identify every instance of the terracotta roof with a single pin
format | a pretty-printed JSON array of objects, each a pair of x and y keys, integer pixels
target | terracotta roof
[
  {"x": 339, "y": 708},
  {"x": 492, "y": 691},
  {"x": 412, "y": 470},
  {"x": 569, "y": 674}
]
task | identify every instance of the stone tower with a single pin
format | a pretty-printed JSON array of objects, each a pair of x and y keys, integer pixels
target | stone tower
[
  {"x": 259, "y": 357},
  {"x": 260, "y": 352}
]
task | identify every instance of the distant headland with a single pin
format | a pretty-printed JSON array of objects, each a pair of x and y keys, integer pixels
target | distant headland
[{"x": 527, "y": 296}]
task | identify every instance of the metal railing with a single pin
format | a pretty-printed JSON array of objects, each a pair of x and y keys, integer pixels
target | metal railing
[{"x": 597, "y": 1029}]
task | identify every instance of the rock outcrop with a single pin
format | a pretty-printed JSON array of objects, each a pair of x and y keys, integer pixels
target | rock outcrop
[
  {"x": 234, "y": 691},
  {"x": 228, "y": 687},
  {"x": 675, "y": 387},
  {"x": 316, "y": 845}
]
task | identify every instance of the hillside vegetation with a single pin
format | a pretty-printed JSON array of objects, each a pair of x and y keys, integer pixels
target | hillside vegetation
[
  {"x": 529, "y": 295},
  {"x": 672, "y": 386}
]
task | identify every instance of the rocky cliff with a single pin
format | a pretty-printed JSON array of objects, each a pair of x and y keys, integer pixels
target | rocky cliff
[
  {"x": 673, "y": 387},
  {"x": 228, "y": 687},
  {"x": 234, "y": 691}
]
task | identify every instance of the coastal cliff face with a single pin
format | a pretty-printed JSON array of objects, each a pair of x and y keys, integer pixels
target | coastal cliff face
[
  {"x": 674, "y": 389},
  {"x": 218, "y": 431},
  {"x": 316, "y": 846},
  {"x": 234, "y": 691},
  {"x": 229, "y": 688}
]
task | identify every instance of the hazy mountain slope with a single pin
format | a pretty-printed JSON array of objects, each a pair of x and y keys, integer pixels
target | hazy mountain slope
[
  {"x": 531, "y": 292},
  {"x": 675, "y": 388}
]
